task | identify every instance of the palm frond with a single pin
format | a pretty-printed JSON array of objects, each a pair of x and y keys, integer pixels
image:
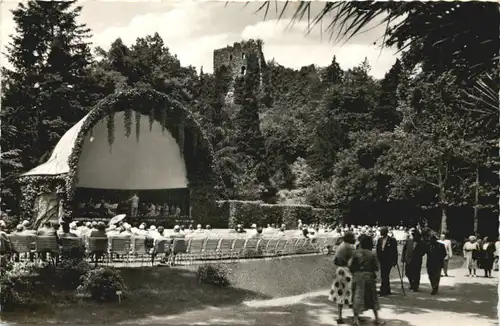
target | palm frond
[{"x": 485, "y": 93}]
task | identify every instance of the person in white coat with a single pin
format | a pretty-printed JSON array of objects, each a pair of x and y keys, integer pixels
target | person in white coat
[
  {"x": 449, "y": 252},
  {"x": 497, "y": 254}
]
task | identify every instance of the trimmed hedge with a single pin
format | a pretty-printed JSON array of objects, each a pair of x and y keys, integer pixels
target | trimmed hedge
[{"x": 247, "y": 212}]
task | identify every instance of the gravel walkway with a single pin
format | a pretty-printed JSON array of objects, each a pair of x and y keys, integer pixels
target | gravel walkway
[{"x": 462, "y": 301}]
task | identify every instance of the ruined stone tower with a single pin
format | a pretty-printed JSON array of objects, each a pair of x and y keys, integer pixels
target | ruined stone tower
[{"x": 235, "y": 58}]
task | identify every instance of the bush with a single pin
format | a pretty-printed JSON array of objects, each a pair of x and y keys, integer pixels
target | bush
[
  {"x": 102, "y": 284},
  {"x": 215, "y": 274},
  {"x": 243, "y": 212},
  {"x": 18, "y": 285},
  {"x": 248, "y": 212},
  {"x": 69, "y": 273},
  {"x": 273, "y": 214},
  {"x": 293, "y": 213}
]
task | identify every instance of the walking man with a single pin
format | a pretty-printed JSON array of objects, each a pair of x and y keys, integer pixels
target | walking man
[
  {"x": 411, "y": 257},
  {"x": 387, "y": 254},
  {"x": 436, "y": 254}
]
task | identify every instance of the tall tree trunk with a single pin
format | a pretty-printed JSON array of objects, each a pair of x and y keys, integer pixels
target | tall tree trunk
[
  {"x": 444, "y": 218},
  {"x": 476, "y": 201}
]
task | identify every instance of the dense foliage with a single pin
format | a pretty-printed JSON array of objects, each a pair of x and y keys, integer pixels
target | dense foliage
[{"x": 419, "y": 144}]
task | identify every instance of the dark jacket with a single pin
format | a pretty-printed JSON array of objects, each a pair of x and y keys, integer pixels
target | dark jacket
[
  {"x": 413, "y": 252},
  {"x": 436, "y": 254},
  {"x": 389, "y": 254}
]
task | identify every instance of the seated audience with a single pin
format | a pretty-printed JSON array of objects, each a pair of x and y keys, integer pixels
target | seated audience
[
  {"x": 19, "y": 230},
  {"x": 239, "y": 229},
  {"x": 66, "y": 231},
  {"x": 46, "y": 230},
  {"x": 257, "y": 234},
  {"x": 177, "y": 233},
  {"x": 99, "y": 231},
  {"x": 74, "y": 229},
  {"x": 125, "y": 231}
]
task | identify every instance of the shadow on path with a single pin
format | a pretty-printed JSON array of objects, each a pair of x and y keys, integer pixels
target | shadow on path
[{"x": 471, "y": 298}]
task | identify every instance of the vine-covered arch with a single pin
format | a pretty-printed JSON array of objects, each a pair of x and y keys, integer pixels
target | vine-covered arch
[{"x": 203, "y": 180}]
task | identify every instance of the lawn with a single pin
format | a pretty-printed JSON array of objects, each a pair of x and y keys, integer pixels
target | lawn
[
  {"x": 151, "y": 291},
  {"x": 169, "y": 291}
]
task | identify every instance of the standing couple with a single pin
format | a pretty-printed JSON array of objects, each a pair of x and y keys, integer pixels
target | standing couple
[
  {"x": 355, "y": 282},
  {"x": 437, "y": 259}
]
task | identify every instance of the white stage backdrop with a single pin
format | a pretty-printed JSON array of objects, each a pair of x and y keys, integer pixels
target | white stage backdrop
[{"x": 155, "y": 162}]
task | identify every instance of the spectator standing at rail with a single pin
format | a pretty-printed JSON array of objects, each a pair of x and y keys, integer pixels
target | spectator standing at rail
[{"x": 387, "y": 254}]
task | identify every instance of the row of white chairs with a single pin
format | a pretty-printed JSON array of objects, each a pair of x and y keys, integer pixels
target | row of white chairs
[{"x": 128, "y": 249}]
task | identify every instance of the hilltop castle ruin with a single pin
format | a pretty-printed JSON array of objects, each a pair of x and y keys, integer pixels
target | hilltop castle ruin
[{"x": 235, "y": 58}]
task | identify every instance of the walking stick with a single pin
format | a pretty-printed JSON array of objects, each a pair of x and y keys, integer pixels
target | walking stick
[{"x": 401, "y": 279}]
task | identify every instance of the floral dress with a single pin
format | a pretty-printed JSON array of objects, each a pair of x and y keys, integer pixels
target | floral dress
[{"x": 341, "y": 290}]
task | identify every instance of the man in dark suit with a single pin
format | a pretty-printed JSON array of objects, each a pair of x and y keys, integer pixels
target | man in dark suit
[
  {"x": 387, "y": 254},
  {"x": 435, "y": 260},
  {"x": 413, "y": 252}
]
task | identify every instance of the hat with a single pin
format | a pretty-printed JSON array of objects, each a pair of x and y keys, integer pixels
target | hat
[
  {"x": 19, "y": 227},
  {"x": 142, "y": 227},
  {"x": 152, "y": 228},
  {"x": 177, "y": 227},
  {"x": 25, "y": 223},
  {"x": 254, "y": 225},
  {"x": 472, "y": 238}
]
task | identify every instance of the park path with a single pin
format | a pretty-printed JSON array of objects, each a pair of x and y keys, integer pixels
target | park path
[{"x": 462, "y": 301}]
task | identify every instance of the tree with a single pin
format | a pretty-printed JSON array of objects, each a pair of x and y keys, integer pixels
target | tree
[
  {"x": 332, "y": 74},
  {"x": 360, "y": 185},
  {"x": 10, "y": 161},
  {"x": 248, "y": 136},
  {"x": 429, "y": 157},
  {"x": 48, "y": 88},
  {"x": 345, "y": 108},
  {"x": 387, "y": 116}
]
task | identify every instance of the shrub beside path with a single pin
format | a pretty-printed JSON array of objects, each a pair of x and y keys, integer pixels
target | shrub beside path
[{"x": 462, "y": 301}]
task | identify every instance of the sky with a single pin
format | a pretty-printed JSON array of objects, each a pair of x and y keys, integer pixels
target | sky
[{"x": 193, "y": 29}]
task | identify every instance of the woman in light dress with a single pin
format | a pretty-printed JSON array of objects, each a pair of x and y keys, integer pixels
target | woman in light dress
[
  {"x": 471, "y": 250},
  {"x": 449, "y": 252},
  {"x": 341, "y": 290}
]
